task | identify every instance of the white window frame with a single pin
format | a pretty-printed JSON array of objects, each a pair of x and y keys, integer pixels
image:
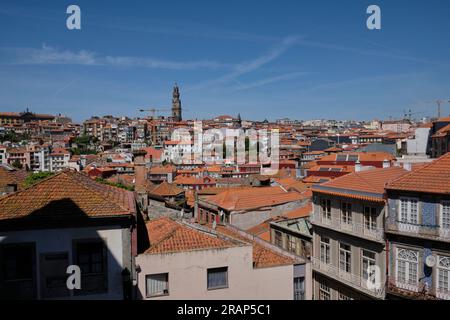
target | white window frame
[
  {"x": 164, "y": 292},
  {"x": 409, "y": 213},
  {"x": 325, "y": 250},
  {"x": 209, "y": 272},
  {"x": 346, "y": 213},
  {"x": 443, "y": 277},
  {"x": 370, "y": 218},
  {"x": 324, "y": 291},
  {"x": 445, "y": 209},
  {"x": 408, "y": 283},
  {"x": 371, "y": 261},
  {"x": 347, "y": 263},
  {"x": 325, "y": 209}
]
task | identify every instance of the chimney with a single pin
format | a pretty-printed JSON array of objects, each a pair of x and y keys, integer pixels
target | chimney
[
  {"x": 358, "y": 166},
  {"x": 386, "y": 163},
  {"x": 407, "y": 166},
  {"x": 139, "y": 170}
]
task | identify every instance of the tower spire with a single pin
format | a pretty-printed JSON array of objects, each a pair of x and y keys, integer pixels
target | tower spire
[{"x": 176, "y": 103}]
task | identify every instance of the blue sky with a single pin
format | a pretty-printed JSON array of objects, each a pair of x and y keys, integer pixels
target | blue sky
[{"x": 264, "y": 59}]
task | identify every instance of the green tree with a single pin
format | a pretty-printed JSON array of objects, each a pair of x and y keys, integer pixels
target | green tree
[
  {"x": 16, "y": 164},
  {"x": 36, "y": 177}
]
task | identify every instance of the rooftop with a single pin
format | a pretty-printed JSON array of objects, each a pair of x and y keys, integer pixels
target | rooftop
[
  {"x": 252, "y": 198},
  {"x": 365, "y": 185},
  {"x": 433, "y": 177},
  {"x": 67, "y": 193},
  {"x": 168, "y": 236}
]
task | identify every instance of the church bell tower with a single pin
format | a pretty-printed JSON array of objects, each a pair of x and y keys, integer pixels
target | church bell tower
[{"x": 176, "y": 104}]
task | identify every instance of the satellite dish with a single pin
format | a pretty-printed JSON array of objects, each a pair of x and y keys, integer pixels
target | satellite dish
[{"x": 430, "y": 261}]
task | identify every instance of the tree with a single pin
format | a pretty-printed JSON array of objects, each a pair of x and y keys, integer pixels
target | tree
[
  {"x": 36, "y": 177},
  {"x": 16, "y": 164}
]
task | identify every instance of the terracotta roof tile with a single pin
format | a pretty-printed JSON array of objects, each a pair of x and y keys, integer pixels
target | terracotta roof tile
[
  {"x": 65, "y": 193},
  {"x": 433, "y": 177},
  {"x": 166, "y": 189},
  {"x": 252, "y": 198},
  {"x": 12, "y": 176},
  {"x": 167, "y": 235},
  {"x": 262, "y": 255},
  {"x": 370, "y": 181}
]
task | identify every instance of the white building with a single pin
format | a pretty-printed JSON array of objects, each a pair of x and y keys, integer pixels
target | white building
[{"x": 188, "y": 262}]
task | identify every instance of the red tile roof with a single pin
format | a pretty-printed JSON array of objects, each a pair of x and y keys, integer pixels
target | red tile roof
[
  {"x": 167, "y": 235},
  {"x": 290, "y": 183},
  {"x": 369, "y": 185},
  {"x": 64, "y": 193},
  {"x": 433, "y": 178},
  {"x": 253, "y": 198},
  {"x": 166, "y": 189},
  {"x": 12, "y": 176},
  {"x": 262, "y": 255},
  {"x": 299, "y": 212}
]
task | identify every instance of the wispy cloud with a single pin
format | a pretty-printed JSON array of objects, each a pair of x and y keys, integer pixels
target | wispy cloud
[
  {"x": 48, "y": 55},
  {"x": 377, "y": 53},
  {"x": 270, "y": 80},
  {"x": 250, "y": 66}
]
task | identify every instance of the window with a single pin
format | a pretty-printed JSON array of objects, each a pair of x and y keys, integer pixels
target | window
[
  {"x": 299, "y": 288},
  {"x": 292, "y": 244},
  {"x": 409, "y": 211},
  {"x": 217, "y": 278},
  {"x": 325, "y": 250},
  {"x": 343, "y": 296},
  {"x": 345, "y": 257},
  {"x": 326, "y": 208},
  {"x": 324, "y": 291},
  {"x": 443, "y": 274},
  {"x": 157, "y": 284},
  {"x": 17, "y": 271},
  {"x": 370, "y": 218},
  {"x": 90, "y": 256},
  {"x": 278, "y": 239},
  {"x": 368, "y": 261},
  {"x": 346, "y": 212},
  {"x": 407, "y": 266},
  {"x": 445, "y": 215}
]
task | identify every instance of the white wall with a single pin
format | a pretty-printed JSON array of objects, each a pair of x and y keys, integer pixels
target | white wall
[
  {"x": 188, "y": 275},
  {"x": 418, "y": 145}
]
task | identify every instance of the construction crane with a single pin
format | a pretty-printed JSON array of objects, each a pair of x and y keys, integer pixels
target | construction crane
[{"x": 153, "y": 111}]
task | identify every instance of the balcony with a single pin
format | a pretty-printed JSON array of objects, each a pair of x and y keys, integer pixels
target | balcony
[
  {"x": 350, "y": 279},
  {"x": 352, "y": 228},
  {"x": 417, "y": 291},
  {"x": 419, "y": 230}
]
